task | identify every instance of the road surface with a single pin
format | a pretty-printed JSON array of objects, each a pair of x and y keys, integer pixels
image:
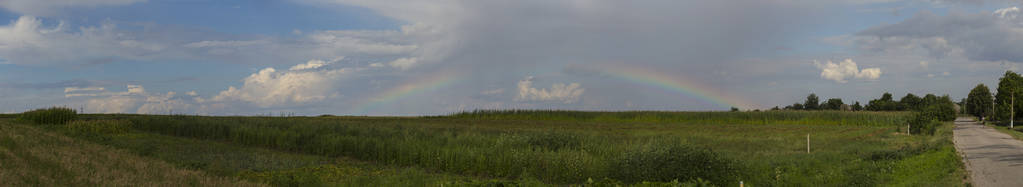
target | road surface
[{"x": 993, "y": 158}]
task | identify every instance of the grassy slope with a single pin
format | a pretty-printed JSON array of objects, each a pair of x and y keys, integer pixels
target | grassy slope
[{"x": 32, "y": 157}]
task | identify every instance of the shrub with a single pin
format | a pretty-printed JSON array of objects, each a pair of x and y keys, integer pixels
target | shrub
[
  {"x": 674, "y": 162},
  {"x": 928, "y": 119},
  {"x": 55, "y": 115},
  {"x": 100, "y": 126}
]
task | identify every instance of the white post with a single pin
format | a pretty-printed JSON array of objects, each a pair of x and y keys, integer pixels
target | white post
[
  {"x": 907, "y": 130},
  {"x": 807, "y": 142}
]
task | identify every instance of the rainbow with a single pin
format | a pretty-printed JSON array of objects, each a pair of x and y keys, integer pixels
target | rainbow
[
  {"x": 413, "y": 87},
  {"x": 673, "y": 83}
]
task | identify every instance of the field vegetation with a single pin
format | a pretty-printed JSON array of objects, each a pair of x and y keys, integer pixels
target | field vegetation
[{"x": 542, "y": 148}]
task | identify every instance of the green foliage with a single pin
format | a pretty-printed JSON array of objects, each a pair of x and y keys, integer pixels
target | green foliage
[
  {"x": 812, "y": 102},
  {"x": 885, "y": 103},
  {"x": 928, "y": 119},
  {"x": 857, "y": 106},
  {"x": 832, "y": 104},
  {"x": 55, "y": 115},
  {"x": 674, "y": 161},
  {"x": 911, "y": 102},
  {"x": 979, "y": 101},
  {"x": 100, "y": 126},
  {"x": 707, "y": 118},
  {"x": 552, "y": 147},
  {"x": 1009, "y": 88},
  {"x": 554, "y": 140}
]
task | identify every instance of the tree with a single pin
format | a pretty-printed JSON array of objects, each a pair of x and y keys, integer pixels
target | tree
[
  {"x": 979, "y": 101},
  {"x": 1008, "y": 88},
  {"x": 885, "y": 103},
  {"x": 812, "y": 102},
  {"x": 910, "y": 102},
  {"x": 857, "y": 106},
  {"x": 832, "y": 104}
]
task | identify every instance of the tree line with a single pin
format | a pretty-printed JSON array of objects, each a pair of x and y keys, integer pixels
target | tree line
[
  {"x": 910, "y": 102},
  {"x": 998, "y": 106}
]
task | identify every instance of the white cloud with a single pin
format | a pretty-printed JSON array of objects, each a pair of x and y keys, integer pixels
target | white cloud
[
  {"x": 191, "y": 93},
  {"x": 52, "y": 7},
  {"x": 78, "y": 89},
  {"x": 270, "y": 87},
  {"x": 1007, "y": 13},
  {"x": 924, "y": 64},
  {"x": 403, "y": 63},
  {"x": 312, "y": 64},
  {"x": 845, "y": 70},
  {"x": 559, "y": 92},
  {"x": 26, "y": 41}
]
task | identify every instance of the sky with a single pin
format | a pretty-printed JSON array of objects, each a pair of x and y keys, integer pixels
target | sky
[{"x": 435, "y": 57}]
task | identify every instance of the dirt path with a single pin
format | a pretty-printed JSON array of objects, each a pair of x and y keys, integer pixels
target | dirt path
[{"x": 993, "y": 158}]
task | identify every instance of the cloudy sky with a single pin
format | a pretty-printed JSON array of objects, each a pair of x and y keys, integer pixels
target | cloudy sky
[{"x": 426, "y": 57}]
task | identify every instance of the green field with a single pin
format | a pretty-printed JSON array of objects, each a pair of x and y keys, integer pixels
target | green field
[{"x": 536, "y": 148}]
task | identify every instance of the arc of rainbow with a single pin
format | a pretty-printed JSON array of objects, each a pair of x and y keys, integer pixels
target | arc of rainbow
[
  {"x": 676, "y": 84},
  {"x": 406, "y": 89}
]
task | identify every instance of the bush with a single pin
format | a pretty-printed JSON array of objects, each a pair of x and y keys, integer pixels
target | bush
[
  {"x": 100, "y": 126},
  {"x": 928, "y": 119},
  {"x": 674, "y": 162},
  {"x": 55, "y": 115}
]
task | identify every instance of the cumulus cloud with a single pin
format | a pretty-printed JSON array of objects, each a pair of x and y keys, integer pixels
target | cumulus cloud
[
  {"x": 559, "y": 92},
  {"x": 299, "y": 84},
  {"x": 847, "y": 69},
  {"x": 134, "y": 99},
  {"x": 52, "y": 7},
  {"x": 996, "y": 36}
]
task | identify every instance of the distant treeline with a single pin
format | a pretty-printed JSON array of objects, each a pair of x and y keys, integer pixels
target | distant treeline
[{"x": 910, "y": 102}]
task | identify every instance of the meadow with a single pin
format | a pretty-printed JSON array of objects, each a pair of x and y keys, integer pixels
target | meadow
[{"x": 540, "y": 148}]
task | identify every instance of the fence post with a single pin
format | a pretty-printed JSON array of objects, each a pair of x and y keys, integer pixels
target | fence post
[{"x": 807, "y": 142}]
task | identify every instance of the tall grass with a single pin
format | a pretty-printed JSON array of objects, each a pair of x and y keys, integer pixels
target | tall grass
[
  {"x": 706, "y": 118},
  {"x": 55, "y": 115},
  {"x": 30, "y": 156},
  {"x": 572, "y": 147}
]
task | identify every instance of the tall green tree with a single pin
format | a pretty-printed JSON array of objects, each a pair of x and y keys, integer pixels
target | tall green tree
[
  {"x": 910, "y": 102},
  {"x": 979, "y": 101},
  {"x": 1008, "y": 86},
  {"x": 812, "y": 102},
  {"x": 885, "y": 103},
  {"x": 832, "y": 104}
]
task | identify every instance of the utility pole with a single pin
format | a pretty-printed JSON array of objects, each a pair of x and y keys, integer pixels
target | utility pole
[{"x": 1012, "y": 111}]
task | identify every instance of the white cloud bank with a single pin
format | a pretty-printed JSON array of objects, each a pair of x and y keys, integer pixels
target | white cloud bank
[
  {"x": 559, "y": 92},
  {"x": 840, "y": 72}
]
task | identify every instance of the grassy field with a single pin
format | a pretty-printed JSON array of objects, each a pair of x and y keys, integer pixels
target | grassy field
[
  {"x": 33, "y": 157},
  {"x": 541, "y": 147}
]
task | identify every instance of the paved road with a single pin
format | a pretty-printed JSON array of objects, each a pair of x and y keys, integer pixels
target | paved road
[{"x": 993, "y": 158}]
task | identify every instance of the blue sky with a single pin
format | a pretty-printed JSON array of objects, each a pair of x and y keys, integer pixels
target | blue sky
[{"x": 400, "y": 57}]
